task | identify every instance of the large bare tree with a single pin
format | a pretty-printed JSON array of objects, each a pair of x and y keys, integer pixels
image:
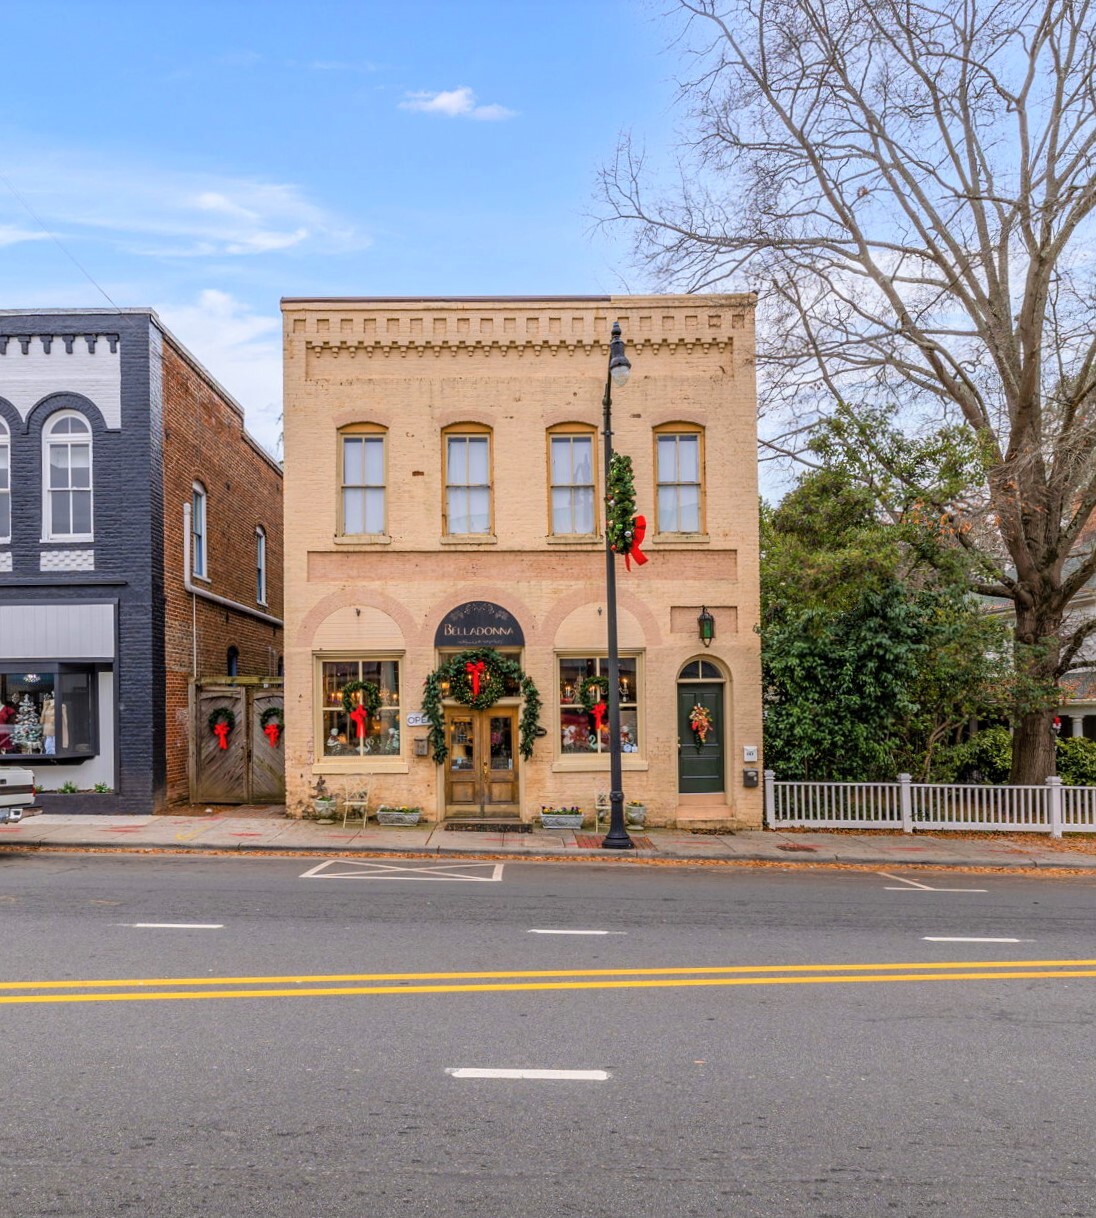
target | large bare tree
[{"x": 910, "y": 186}]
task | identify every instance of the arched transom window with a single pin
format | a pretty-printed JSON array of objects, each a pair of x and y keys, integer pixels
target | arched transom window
[
  {"x": 5, "y": 482},
  {"x": 67, "y": 510}
]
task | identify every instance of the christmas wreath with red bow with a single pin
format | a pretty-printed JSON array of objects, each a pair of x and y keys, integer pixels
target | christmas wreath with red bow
[
  {"x": 478, "y": 678},
  {"x": 362, "y": 708},
  {"x": 273, "y": 724},
  {"x": 221, "y": 723},
  {"x": 593, "y": 696}
]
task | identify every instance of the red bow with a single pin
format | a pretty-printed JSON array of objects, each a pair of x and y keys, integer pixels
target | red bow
[
  {"x": 358, "y": 716},
  {"x": 598, "y": 711},
  {"x": 639, "y": 531},
  {"x": 272, "y": 731},
  {"x": 220, "y": 730},
  {"x": 475, "y": 671}
]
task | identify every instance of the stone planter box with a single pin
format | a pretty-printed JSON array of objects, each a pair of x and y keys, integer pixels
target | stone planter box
[
  {"x": 324, "y": 809},
  {"x": 635, "y": 814},
  {"x": 561, "y": 820},
  {"x": 389, "y": 816}
]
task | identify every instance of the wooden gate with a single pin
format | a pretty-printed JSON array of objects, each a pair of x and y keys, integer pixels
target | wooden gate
[{"x": 250, "y": 769}]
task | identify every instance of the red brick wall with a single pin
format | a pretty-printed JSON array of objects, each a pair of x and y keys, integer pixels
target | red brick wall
[{"x": 204, "y": 440}]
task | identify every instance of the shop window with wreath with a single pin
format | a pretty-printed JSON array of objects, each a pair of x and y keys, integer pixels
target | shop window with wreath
[
  {"x": 360, "y": 707},
  {"x": 584, "y": 710}
]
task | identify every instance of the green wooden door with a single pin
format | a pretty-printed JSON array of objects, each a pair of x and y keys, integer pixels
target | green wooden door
[{"x": 699, "y": 769}]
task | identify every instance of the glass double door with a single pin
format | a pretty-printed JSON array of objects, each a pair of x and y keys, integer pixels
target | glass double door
[{"x": 481, "y": 770}]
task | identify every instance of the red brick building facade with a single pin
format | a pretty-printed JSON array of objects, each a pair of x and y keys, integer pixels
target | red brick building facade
[{"x": 206, "y": 446}]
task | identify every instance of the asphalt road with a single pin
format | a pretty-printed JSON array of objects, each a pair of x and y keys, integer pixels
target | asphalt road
[{"x": 265, "y": 1041}]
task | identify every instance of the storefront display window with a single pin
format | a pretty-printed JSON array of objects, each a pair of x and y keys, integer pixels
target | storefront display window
[
  {"x": 48, "y": 713},
  {"x": 380, "y": 731},
  {"x": 585, "y": 731}
]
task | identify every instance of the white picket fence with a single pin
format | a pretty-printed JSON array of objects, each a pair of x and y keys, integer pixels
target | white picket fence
[{"x": 908, "y": 805}]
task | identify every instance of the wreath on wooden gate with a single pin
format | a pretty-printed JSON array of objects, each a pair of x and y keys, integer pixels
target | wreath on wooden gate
[{"x": 221, "y": 722}]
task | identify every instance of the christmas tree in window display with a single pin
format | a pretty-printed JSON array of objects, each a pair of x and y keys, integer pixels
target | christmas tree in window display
[{"x": 26, "y": 732}]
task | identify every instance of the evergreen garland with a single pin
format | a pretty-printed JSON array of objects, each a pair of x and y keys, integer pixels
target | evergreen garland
[
  {"x": 498, "y": 669},
  {"x": 620, "y": 504}
]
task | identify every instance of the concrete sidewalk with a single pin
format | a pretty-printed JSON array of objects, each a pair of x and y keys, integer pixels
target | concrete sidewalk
[{"x": 226, "y": 831}]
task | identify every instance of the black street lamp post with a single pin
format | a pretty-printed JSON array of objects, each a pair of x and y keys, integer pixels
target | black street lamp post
[{"x": 617, "y": 837}]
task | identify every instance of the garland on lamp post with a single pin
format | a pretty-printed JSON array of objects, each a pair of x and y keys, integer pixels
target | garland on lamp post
[
  {"x": 478, "y": 678},
  {"x": 624, "y": 529}
]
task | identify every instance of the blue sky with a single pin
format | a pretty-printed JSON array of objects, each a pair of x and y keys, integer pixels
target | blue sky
[{"x": 208, "y": 158}]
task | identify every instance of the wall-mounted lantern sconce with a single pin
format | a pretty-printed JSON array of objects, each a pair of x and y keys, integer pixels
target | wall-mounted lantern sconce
[
  {"x": 444, "y": 687},
  {"x": 705, "y": 624}
]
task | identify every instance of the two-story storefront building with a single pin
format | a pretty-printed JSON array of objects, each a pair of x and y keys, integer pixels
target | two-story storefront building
[
  {"x": 120, "y": 457},
  {"x": 444, "y": 494}
]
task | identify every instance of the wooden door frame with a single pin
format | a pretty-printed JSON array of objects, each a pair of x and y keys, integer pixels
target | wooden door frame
[{"x": 481, "y": 749}]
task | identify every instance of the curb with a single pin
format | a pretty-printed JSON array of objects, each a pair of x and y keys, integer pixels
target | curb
[{"x": 583, "y": 854}]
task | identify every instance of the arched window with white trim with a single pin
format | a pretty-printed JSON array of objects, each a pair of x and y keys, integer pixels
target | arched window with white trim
[
  {"x": 199, "y": 558},
  {"x": 67, "y": 507},
  {"x": 5, "y": 482}
]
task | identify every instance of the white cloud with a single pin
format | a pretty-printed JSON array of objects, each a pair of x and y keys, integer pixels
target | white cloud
[
  {"x": 455, "y": 103},
  {"x": 161, "y": 212},
  {"x": 241, "y": 349},
  {"x": 11, "y": 234}
]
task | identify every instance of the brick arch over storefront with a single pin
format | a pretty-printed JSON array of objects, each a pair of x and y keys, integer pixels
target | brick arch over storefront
[
  {"x": 351, "y": 598},
  {"x": 566, "y": 605},
  {"x": 494, "y": 593}
]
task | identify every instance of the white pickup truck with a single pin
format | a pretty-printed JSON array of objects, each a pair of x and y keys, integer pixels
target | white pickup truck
[{"x": 16, "y": 793}]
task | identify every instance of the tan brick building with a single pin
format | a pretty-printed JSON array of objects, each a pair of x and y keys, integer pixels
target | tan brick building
[{"x": 444, "y": 490}]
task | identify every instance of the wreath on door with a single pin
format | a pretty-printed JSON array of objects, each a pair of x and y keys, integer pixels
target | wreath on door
[{"x": 478, "y": 678}]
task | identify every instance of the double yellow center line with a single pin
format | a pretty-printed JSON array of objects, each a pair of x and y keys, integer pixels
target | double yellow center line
[{"x": 174, "y": 989}]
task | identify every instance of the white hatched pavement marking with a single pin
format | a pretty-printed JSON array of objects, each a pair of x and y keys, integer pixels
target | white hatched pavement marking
[
  {"x": 369, "y": 870},
  {"x": 578, "y": 932},
  {"x": 915, "y": 887},
  {"x": 579, "y": 1076},
  {"x": 174, "y": 925},
  {"x": 969, "y": 939}
]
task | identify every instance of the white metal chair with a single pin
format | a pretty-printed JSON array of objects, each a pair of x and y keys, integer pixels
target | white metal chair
[
  {"x": 355, "y": 802},
  {"x": 601, "y": 806}
]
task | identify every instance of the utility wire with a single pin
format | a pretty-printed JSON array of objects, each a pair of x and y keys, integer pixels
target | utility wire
[{"x": 41, "y": 224}]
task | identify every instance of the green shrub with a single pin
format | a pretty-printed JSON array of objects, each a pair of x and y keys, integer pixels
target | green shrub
[
  {"x": 985, "y": 757},
  {"x": 1077, "y": 761}
]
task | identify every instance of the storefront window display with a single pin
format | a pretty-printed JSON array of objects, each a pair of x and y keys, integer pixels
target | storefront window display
[
  {"x": 585, "y": 731},
  {"x": 380, "y": 731},
  {"x": 48, "y": 713}
]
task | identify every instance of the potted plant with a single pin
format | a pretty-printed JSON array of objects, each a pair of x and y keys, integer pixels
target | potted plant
[
  {"x": 635, "y": 813},
  {"x": 323, "y": 802},
  {"x": 389, "y": 814},
  {"x": 561, "y": 818}
]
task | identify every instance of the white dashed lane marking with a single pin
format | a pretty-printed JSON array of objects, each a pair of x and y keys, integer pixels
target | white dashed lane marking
[{"x": 577, "y": 1076}]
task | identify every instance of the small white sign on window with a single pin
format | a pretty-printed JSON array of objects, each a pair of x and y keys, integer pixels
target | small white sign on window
[
  {"x": 749, "y": 752},
  {"x": 417, "y": 719}
]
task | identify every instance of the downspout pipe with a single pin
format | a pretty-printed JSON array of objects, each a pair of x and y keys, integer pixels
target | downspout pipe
[{"x": 223, "y": 601}]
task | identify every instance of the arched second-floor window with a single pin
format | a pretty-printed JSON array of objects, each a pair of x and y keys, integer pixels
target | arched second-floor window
[
  {"x": 232, "y": 661},
  {"x": 5, "y": 482},
  {"x": 260, "y": 565},
  {"x": 67, "y": 507},
  {"x": 199, "y": 543}
]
